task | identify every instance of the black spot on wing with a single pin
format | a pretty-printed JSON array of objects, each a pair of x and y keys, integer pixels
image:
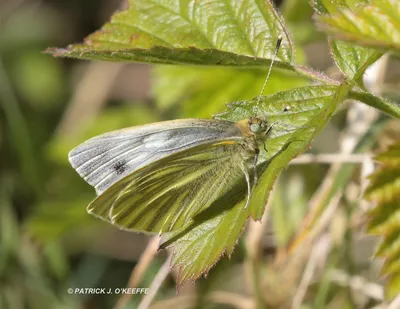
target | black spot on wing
[{"x": 120, "y": 167}]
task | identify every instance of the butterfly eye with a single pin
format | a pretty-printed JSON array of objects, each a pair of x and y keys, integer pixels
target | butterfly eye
[{"x": 255, "y": 127}]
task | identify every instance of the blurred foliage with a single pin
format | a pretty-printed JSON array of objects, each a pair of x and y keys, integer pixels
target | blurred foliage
[
  {"x": 206, "y": 91},
  {"x": 384, "y": 190},
  {"x": 351, "y": 59},
  {"x": 49, "y": 243},
  {"x": 374, "y": 24},
  {"x": 30, "y": 278}
]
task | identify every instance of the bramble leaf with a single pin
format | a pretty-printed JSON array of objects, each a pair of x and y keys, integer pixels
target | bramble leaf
[
  {"x": 298, "y": 115},
  {"x": 384, "y": 190},
  {"x": 228, "y": 33},
  {"x": 352, "y": 60},
  {"x": 373, "y": 25},
  {"x": 391, "y": 157}
]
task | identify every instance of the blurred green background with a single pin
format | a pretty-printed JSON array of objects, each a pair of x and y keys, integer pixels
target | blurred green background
[{"x": 47, "y": 106}]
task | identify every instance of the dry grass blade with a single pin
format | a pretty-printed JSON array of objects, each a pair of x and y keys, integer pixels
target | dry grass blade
[
  {"x": 357, "y": 283},
  {"x": 139, "y": 270},
  {"x": 330, "y": 158},
  {"x": 89, "y": 97},
  {"x": 319, "y": 253},
  {"x": 254, "y": 247},
  {"x": 234, "y": 300},
  {"x": 155, "y": 285}
]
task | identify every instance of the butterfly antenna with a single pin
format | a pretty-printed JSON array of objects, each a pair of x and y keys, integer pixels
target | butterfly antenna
[{"x": 278, "y": 45}]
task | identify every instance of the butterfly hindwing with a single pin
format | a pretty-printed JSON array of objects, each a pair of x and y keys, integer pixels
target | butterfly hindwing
[{"x": 166, "y": 194}]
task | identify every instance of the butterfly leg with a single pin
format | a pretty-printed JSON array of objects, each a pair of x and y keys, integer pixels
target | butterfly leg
[
  {"x": 246, "y": 174},
  {"x": 268, "y": 131},
  {"x": 265, "y": 147},
  {"x": 255, "y": 166}
]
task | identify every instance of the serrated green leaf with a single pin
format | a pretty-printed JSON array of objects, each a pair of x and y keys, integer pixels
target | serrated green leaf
[
  {"x": 391, "y": 157},
  {"x": 374, "y": 25},
  {"x": 298, "y": 114},
  {"x": 283, "y": 105},
  {"x": 213, "y": 234},
  {"x": 384, "y": 190},
  {"x": 391, "y": 244},
  {"x": 384, "y": 218},
  {"x": 392, "y": 265},
  {"x": 330, "y": 6},
  {"x": 295, "y": 145},
  {"x": 351, "y": 60},
  {"x": 197, "y": 32},
  {"x": 393, "y": 287},
  {"x": 385, "y": 186},
  {"x": 384, "y": 105}
]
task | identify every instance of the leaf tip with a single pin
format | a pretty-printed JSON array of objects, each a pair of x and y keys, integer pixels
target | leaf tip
[{"x": 55, "y": 51}]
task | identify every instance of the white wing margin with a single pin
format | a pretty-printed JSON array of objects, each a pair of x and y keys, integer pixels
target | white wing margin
[{"x": 107, "y": 158}]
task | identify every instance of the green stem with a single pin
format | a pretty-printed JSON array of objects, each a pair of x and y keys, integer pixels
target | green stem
[
  {"x": 314, "y": 75},
  {"x": 390, "y": 108}
]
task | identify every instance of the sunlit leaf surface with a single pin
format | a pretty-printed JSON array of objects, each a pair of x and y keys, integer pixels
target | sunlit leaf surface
[
  {"x": 351, "y": 59},
  {"x": 197, "y": 32},
  {"x": 375, "y": 24}
]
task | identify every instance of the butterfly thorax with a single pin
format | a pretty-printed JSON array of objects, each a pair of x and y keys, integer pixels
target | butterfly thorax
[{"x": 254, "y": 130}]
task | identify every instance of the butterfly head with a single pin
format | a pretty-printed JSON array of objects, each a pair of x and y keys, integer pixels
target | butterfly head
[{"x": 258, "y": 126}]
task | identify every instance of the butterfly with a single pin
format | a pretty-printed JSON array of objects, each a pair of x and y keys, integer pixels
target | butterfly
[{"x": 157, "y": 177}]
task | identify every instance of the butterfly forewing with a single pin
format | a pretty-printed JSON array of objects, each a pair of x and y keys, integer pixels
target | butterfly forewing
[
  {"x": 104, "y": 160},
  {"x": 166, "y": 194}
]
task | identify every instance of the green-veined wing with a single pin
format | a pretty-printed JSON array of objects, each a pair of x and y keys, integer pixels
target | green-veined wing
[{"x": 166, "y": 194}]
